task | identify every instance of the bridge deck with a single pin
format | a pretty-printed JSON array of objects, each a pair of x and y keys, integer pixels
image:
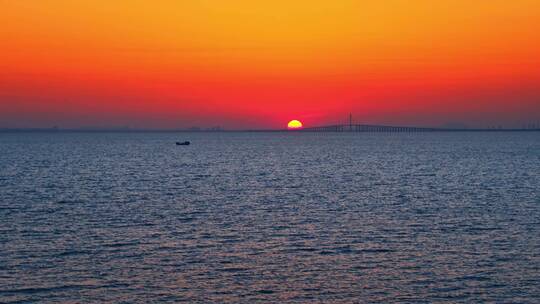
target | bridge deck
[{"x": 393, "y": 129}]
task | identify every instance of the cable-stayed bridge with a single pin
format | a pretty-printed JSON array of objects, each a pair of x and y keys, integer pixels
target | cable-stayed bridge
[
  {"x": 367, "y": 128},
  {"x": 399, "y": 129},
  {"x": 350, "y": 127}
]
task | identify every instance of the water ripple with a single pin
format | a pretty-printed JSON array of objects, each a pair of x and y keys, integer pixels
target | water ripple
[{"x": 270, "y": 218}]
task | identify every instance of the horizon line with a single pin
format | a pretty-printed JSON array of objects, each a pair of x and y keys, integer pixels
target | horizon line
[{"x": 306, "y": 129}]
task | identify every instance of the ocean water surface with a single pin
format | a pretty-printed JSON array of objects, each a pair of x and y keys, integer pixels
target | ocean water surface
[{"x": 270, "y": 218}]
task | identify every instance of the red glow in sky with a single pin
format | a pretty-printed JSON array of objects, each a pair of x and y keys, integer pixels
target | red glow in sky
[{"x": 259, "y": 64}]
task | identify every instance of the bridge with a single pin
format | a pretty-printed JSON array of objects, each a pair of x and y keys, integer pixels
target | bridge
[
  {"x": 368, "y": 128},
  {"x": 398, "y": 129},
  {"x": 350, "y": 127}
]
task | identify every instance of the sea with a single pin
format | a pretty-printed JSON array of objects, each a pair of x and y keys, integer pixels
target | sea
[{"x": 277, "y": 217}]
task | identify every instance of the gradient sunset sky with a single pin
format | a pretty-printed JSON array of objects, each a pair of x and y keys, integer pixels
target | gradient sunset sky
[{"x": 259, "y": 64}]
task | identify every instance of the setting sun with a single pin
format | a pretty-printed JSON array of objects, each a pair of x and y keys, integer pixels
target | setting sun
[{"x": 294, "y": 124}]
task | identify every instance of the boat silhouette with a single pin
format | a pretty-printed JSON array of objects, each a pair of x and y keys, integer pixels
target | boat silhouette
[{"x": 185, "y": 143}]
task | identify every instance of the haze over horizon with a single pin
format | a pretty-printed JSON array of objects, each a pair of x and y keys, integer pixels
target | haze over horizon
[{"x": 245, "y": 65}]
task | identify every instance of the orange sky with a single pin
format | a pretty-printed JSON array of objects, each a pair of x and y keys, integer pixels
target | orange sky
[{"x": 258, "y": 64}]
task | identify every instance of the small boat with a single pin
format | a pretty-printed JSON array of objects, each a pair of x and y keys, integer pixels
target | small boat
[{"x": 185, "y": 143}]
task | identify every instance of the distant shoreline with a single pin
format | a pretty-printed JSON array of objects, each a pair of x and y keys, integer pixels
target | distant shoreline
[{"x": 421, "y": 130}]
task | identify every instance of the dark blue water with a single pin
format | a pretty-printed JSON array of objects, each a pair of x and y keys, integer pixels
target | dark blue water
[{"x": 270, "y": 218}]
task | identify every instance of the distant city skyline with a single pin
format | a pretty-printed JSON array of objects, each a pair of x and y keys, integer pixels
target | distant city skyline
[{"x": 449, "y": 126}]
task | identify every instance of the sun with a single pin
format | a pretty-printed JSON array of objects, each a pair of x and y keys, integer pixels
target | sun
[{"x": 294, "y": 125}]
